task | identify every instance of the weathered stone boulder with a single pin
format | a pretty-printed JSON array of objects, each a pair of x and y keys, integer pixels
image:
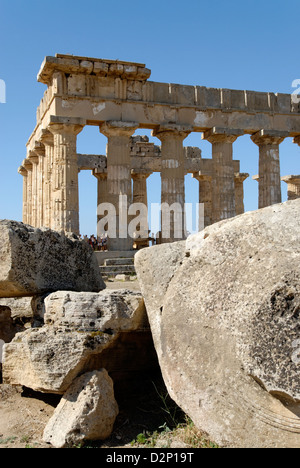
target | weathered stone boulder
[
  {"x": 87, "y": 411},
  {"x": 19, "y": 313},
  {"x": 224, "y": 310},
  {"x": 78, "y": 328},
  {"x": 37, "y": 261}
]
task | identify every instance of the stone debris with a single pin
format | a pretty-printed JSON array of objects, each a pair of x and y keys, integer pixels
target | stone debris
[
  {"x": 77, "y": 327},
  {"x": 36, "y": 261},
  {"x": 87, "y": 411}
]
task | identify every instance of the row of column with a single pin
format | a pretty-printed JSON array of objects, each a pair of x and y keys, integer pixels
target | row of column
[
  {"x": 50, "y": 184},
  {"x": 51, "y": 175}
]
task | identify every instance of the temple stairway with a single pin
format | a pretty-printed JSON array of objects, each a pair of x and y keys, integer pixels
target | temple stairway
[{"x": 112, "y": 264}]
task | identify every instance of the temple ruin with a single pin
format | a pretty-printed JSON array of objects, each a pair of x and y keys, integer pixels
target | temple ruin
[{"x": 118, "y": 97}]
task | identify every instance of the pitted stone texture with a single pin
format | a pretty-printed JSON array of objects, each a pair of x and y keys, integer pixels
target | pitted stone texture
[
  {"x": 36, "y": 261},
  {"x": 24, "y": 308},
  {"x": 225, "y": 320},
  {"x": 90, "y": 312},
  {"x": 77, "y": 327},
  {"x": 87, "y": 411}
]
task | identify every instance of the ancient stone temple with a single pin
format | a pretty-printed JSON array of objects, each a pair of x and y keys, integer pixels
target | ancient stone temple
[{"x": 118, "y": 97}]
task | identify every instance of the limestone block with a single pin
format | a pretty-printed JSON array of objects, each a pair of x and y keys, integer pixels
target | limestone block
[
  {"x": 20, "y": 307},
  {"x": 101, "y": 68},
  {"x": 86, "y": 66},
  {"x": 19, "y": 313},
  {"x": 122, "y": 277},
  {"x": 77, "y": 85},
  {"x": 37, "y": 261},
  {"x": 90, "y": 312},
  {"x": 77, "y": 326},
  {"x": 224, "y": 313},
  {"x": 87, "y": 411}
]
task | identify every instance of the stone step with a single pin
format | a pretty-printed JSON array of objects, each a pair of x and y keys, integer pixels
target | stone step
[
  {"x": 118, "y": 261},
  {"x": 117, "y": 269},
  {"x": 109, "y": 255}
]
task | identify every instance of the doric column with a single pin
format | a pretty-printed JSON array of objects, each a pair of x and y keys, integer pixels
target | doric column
[
  {"x": 33, "y": 157},
  {"x": 139, "y": 195},
  {"x": 269, "y": 166},
  {"x": 24, "y": 174},
  {"x": 239, "y": 179},
  {"x": 39, "y": 150},
  {"x": 102, "y": 195},
  {"x": 205, "y": 195},
  {"x": 28, "y": 165},
  {"x": 172, "y": 181},
  {"x": 223, "y": 186},
  {"x": 119, "y": 179},
  {"x": 65, "y": 215},
  {"x": 48, "y": 141},
  {"x": 293, "y": 183}
]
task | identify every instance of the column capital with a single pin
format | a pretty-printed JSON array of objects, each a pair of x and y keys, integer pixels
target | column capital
[
  {"x": 100, "y": 173},
  {"x": 47, "y": 138},
  {"x": 222, "y": 135},
  {"x": 140, "y": 174},
  {"x": 269, "y": 137},
  {"x": 39, "y": 148},
  {"x": 27, "y": 164},
  {"x": 241, "y": 176},
  {"x": 291, "y": 179},
  {"x": 33, "y": 157},
  {"x": 173, "y": 131},
  {"x": 23, "y": 171},
  {"x": 70, "y": 125},
  {"x": 201, "y": 177},
  {"x": 118, "y": 128},
  {"x": 297, "y": 140},
  {"x": 255, "y": 177},
  {"x": 60, "y": 128}
]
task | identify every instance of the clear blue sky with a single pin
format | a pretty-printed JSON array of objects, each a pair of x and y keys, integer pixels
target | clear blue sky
[{"x": 247, "y": 44}]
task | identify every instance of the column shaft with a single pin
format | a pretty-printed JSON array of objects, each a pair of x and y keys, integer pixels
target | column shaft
[
  {"x": 47, "y": 140},
  {"x": 102, "y": 196},
  {"x": 269, "y": 167},
  {"x": 172, "y": 182},
  {"x": 40, "y": 152},
  {"x": 65, "y": 201},
  {"x": 34, "y": 187},
  {"x": 223, "y": 186},
  {"x": 239, "y": 180},
  {"x": 29, "y": 166},
  {"x": 139, "y": 196},
  {"x": 119, "y": 179},
  {"x": 205, "y": 196},
  {"x": 24, "y": 173}
]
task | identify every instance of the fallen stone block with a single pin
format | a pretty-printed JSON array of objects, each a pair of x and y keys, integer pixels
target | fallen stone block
[
  {"x": 87, "y": 411},
  {"x": 224, "y": 310},
  {"x": 37, "y": 261},
  {"x": 78, "y": 327}
]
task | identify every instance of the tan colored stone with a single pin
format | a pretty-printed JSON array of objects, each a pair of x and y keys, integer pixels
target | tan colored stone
[
  {"x": 119, "y": 177},
  {"x": 87, "y": 411},
  {"x": 78, "y": 327},
  {"x": 224, "y": 312},
  {"x": 38, "y": 261},
  {"x": 223, "y": 184},
  {"x": 293, "y": 183},
  {"x": 172, "y": 181},
  {"x": 269, "y": 166}
]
